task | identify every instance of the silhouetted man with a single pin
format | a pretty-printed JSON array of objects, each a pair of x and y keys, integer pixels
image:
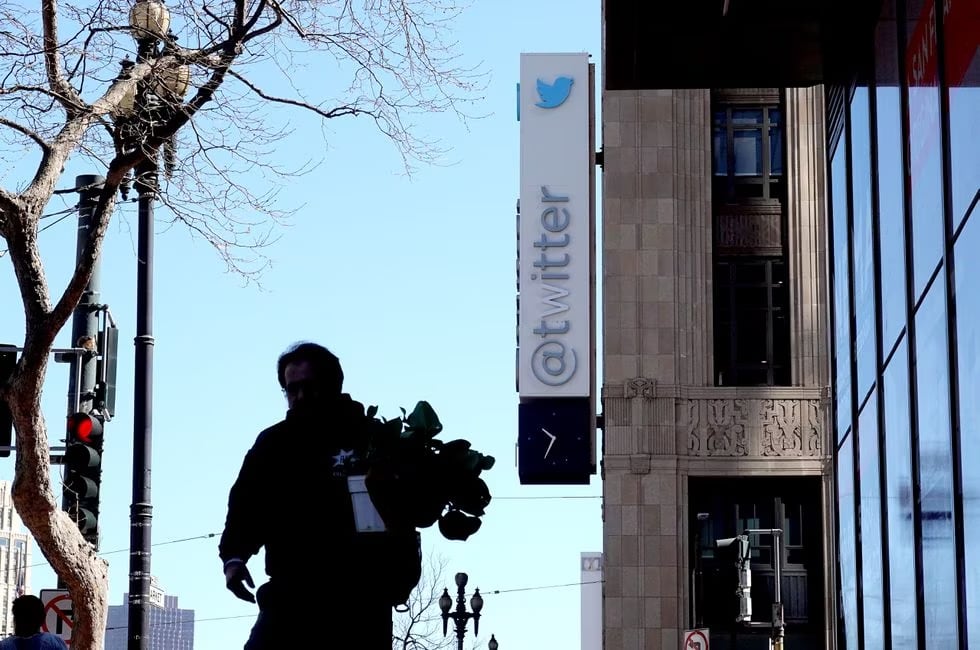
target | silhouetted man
[{"x": 291, "y": 497}]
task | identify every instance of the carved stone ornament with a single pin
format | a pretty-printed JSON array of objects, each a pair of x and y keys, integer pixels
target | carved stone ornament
[
  {"x": 640, "y": 387},
  {"x": 753, "y": 427}
]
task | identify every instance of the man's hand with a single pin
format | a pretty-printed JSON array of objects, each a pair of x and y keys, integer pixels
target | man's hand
[{"x": 236, "y": 577}]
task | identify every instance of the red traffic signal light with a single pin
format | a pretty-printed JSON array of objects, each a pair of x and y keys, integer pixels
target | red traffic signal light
[
  {"x": 84, "y": 428},
  {"x": 83, "y": 473}
]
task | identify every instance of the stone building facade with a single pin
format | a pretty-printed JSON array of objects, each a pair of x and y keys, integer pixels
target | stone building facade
[{"x": 715, "y": 362}]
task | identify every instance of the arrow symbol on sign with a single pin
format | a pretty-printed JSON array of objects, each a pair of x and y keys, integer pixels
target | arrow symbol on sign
[{"x": 550, "y": 444}]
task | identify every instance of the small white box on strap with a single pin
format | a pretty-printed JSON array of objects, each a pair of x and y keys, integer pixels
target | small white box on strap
[{"x": 366, "y": 517}]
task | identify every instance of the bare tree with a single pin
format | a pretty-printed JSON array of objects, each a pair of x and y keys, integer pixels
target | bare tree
[
  {"x": 419, "y": 626},
  {"x": 64, "y": 97}
]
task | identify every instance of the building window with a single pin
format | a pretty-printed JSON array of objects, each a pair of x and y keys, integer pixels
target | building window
[
  {"x": 727, "y": 507},
  {"x": 752, "y": 322},
  {"x": 747, "y": 153}
]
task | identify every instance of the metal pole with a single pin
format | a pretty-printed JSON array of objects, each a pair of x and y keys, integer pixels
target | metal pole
[
  {"x": 461, "y": 614},
  {"x": 777, "y": 614},
  {"x": 141, "y": 511},
  {"x": 85, "y": 320},
  {"x": 82, "y": 374}
]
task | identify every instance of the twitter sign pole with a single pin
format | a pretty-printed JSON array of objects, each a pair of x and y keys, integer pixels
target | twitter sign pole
[{"x": 556, "y": 270}]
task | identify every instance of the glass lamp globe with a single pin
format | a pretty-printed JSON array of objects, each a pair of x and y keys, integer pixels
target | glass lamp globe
[
  {"x": 172, "y": 83},
  {"x": 127, "y": 102},
  {"x": 149, "y": 18}
]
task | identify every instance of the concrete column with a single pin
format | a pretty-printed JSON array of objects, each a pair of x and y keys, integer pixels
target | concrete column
[{"x": 806, "y": 213}]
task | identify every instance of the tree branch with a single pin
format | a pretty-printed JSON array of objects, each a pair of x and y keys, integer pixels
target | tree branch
[
  {"x": 59, "y": 86},
  {"x": 25, "y": 131},
  {"x": 91, "y": 250},
  {"x": 340, "y": 111},
  {"x": 28, "y": 267}
]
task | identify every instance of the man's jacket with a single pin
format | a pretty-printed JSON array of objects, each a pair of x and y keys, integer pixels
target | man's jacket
[{"x": 291, "y": 497}]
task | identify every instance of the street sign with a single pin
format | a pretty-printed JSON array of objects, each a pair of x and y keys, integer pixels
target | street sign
[
  {"x": 59, "y": 614},
  {"x": 695, "y": 640}
]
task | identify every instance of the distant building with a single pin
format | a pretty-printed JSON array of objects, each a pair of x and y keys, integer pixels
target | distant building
[
  {"x": 591, "y": 601},
  {"x": 171, "y": 628},
  {"x": 15, "y": 558}
]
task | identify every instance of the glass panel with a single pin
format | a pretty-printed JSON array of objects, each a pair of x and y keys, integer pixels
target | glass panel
[
  {"x": 780, "y": 342},
  {"x": 752, "y": 377},
  {"x": 747, "y": 116},
  {"x": 720, "y": 152},
  {"x": 753, "y": 327},
  {"x": 793, "y": 524},
  {"x": 935, "y": 471},
  {"x": 775, "y": 144},
  {"x": 901, "y": 536},
  {"x": 780, "y": 296},
  {"x": 749, "y": 190},
  {"x": 721, "y": 117},
  {"x": 961, "y": 23},
  {"x": 842, "y": 330},
  {"x": 751, "y": 273},
  {"x": 752, "y": 297},
  {"x": 778, "y": 272},
  {"x": 864, "y": 295},
  {"x": 845, "y": 509},
  {"x": 968, "y": 352},
  {"x": 890, "y": 201},
  {"x": 872, "y": 587},
  {"x": 776, "y": 188},
  {"x": 748, "y": 152},
  {"x": 924, "y": 143}
]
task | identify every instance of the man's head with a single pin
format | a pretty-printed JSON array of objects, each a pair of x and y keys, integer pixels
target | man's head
[
  {"x": 28, "y": 613},
  {"x": 309, "y": 372}
]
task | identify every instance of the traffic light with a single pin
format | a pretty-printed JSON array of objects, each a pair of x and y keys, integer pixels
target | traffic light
[
  {"x": 83, "y": 473},
  {"x": 8, "y": 359},
  {"x": 743, "y": 564}
]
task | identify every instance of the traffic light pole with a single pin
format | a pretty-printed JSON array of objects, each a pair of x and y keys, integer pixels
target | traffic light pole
[
  {"x": 141, "y": 511},
  {"x": 82, "y": 376},
  {"x": 85, "y": 320},
  {"x": 743, "y": 564}
]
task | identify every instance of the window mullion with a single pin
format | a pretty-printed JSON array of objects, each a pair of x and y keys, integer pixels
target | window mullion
[
  {"x": 731, "y": 361},
  {"x": 730, "y": 134},
  {"x": 770, "y": 325},
  {"x": 766, "y": 162}
]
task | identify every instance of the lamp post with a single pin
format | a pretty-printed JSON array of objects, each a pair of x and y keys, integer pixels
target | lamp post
[
  {"x": 142, "y": 112},
  {"x": 460, "y": 615}
]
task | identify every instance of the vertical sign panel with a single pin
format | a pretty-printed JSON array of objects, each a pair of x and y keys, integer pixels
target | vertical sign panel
[{"x": 555, "y": 355}]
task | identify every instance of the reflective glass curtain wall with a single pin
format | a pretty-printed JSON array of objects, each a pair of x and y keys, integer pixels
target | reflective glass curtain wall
[{"x": 904, "y": 174}]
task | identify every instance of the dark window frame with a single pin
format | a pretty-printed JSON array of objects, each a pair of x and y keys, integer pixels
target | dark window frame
[
  {"x": 730, "y": 310},
  {"x": 728, "y": 187}
]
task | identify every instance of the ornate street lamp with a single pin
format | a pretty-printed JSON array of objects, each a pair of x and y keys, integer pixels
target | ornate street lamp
[
  {"x": 460, "y": 615},
  {"x": 142, "y": 111},
  {"x": 149, "y": 20}
]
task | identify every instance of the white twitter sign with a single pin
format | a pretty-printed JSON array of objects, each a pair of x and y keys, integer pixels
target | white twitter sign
[{"x": 556, "y": 235}]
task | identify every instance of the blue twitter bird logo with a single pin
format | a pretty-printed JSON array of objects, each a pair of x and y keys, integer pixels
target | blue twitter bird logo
[{"x": 554, "y": 95}]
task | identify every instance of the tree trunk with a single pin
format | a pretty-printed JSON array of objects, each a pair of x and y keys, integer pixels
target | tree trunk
[
  {"x": 36, "y": 500},
  {"x": 73, "y": 558}
]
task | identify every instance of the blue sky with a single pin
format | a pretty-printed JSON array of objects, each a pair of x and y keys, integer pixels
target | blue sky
[{"x": 409, "y": 280}]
